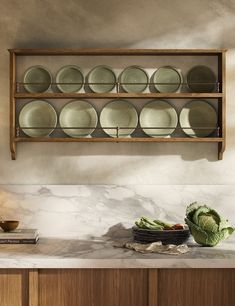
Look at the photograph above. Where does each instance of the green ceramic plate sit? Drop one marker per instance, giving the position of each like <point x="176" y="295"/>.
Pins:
<point x="119" y="113"/>
<point x="134" y="79"/>
<point x="167" y="79"/>
<point x="39" y="77"/>
<point x="198" y="113"/>
<point x="78" y="113"/>
<point x="104" y="77"/>
<point x="69" y="74"/>
<point x="38" y="113"/>
<point x="158" y="113"/>
<point x="201" y="79"/>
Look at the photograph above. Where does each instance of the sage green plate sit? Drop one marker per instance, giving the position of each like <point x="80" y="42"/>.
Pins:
<point x="105" y="78"/>
<point x="78" y="113"/>
<point x="119" y="113"/>
<point x="134" y="79"/>
<point x="38" y="113"/>
<point x="39" y="77"/>
<point x="201" y="79"/>
<point x="198" y="113"/>
<point x="167" y="79"/>
<point x="69" y="74"/>
<point x="158" y="113"/>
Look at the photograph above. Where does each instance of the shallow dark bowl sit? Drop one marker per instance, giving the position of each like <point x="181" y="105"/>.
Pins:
<point x="9" y="225"/>
<point x="166" y="236"/>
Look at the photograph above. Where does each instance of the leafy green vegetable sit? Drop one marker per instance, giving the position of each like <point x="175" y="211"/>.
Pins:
<point x="206" y="225"/>
<point x="164" y="224"/>
<point x="147" y="223"/>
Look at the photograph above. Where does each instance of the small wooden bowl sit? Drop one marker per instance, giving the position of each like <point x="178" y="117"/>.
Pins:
<point x="9" y="225"/>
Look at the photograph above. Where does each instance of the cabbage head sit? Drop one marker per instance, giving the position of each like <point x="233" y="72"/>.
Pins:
<point x="207" y="227"/>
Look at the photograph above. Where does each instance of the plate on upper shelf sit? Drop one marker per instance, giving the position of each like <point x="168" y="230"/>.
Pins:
<point x="78" y="113"/>
<point x="37" y="79"/>
<point x="201" y="79"/>
<point x="38" y="113"/>
<point x="158" y="114"/>
<point x="134" y="79"/>
<point x="198" y="114"/>
<point x="119" y="113"/>
<point x="167" y="79"/>
<point x="101" y="79"/>
<point x="69" y="74"/>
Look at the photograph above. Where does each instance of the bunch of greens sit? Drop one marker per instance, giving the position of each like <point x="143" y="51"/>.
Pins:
<point x="206" y="225"/>
<point x="148" y="223"/>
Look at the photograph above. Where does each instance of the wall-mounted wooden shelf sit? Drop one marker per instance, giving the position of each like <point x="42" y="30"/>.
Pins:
<point x="18" y="96"/>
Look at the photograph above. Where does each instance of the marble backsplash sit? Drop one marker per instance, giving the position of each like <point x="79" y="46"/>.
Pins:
<point x="87" y="211"/>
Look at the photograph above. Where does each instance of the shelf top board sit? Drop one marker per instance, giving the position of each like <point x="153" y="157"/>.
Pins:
<point x="60" y="51"/>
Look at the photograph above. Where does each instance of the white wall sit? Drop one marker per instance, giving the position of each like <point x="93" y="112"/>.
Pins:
<point x="126" y="24"/>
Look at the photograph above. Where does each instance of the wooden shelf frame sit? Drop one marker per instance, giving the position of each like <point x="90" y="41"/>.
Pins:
<point x="219" y="96"/>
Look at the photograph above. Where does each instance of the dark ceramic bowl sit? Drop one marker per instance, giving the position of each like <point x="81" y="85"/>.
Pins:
<point x="9" y="225"/>
<point x="166" y="236"/>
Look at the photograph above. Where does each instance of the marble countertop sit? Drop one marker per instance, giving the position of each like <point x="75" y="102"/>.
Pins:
<point x="100" y="253"/>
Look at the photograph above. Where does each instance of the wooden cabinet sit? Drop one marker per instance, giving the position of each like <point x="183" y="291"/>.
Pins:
<point x="194" y="287"/>
<point x="117" y="287"/>
<point x="151" y="59"/>
<point x="93" y="287"/>
<point x="13" y="287"/>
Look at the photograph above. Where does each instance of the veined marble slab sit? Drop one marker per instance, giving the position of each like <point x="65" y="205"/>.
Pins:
<point x="87" y="211"/>
<point x="100" y="253"/>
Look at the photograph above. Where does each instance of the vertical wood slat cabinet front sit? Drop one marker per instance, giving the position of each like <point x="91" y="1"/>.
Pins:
<point x="93" y="287"/>
<point x="194" y="287"/>
<point x="13" y="287"/>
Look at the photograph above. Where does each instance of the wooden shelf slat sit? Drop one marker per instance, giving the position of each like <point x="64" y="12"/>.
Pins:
<point x="127" y="139"/>
<point x="60" y="95"/>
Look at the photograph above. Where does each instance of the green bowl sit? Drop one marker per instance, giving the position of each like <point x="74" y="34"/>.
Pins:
<point x="101" y="79"/>
<point x="167" y="79"/>
<point x="69" y="74"/>
<point x="201" y="79"/>
<point x="37" y="79"/>
<point x="134" y="79"/>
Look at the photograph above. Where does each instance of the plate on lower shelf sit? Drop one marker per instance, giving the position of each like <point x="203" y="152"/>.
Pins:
<point x="38" y="113"/>
<point x="37" y="79"/>
<point x="78" y="113"/>
<point x="201" y="79"/>
<point x="167" y="79"/>
<point x="158" y="114"/>
<point x="69" y="74"/>
<point x="134" y="79"/>
<point x="105" y="78"/>
<point x="119" y="113"/>
<point x="198" y="114"/>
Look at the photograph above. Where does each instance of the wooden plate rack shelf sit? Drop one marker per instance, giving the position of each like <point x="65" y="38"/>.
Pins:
<point x="17" y="94"/>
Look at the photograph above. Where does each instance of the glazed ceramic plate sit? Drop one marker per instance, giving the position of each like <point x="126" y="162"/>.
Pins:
<point x="201" y="79"/>
<point x="37" y="79"/>
<point x="101" y="79"/>
<point x="78" y="113"/>
<point x="119" y="113"/>
<point x="167" y="79"/>
<point x="196" y="114"/>
<point x="158" y="114"/>
<point x="69" y="74"/>
<point x="134" y="79"/>
<point x="38" y="113"/>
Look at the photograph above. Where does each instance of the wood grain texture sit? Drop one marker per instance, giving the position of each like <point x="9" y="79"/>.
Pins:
<point x="195" y="287"/>
<point x="13" y="287"/>
<point x="12" y="104"/>
<point x="116" y="51"/>
<point x="60" y="95"/>
<point x="33" y="287"/>
<point x="93" y="287"/>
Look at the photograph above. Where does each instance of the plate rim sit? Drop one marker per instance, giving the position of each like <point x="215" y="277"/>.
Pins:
<point x="78" y="100"/>
<point x="101" y="66"/>
<point x="159" y="100"/>
<point x="28" y="70"/>
<point x="63" y="68"/>
<point x="51" y="107"/>
<point x="133" y="66"/>
<point x="207" y="103"/>
<point x="115" y="101"/>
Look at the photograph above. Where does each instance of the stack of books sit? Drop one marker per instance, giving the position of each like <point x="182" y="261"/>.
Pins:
<point x="19" y="236"/>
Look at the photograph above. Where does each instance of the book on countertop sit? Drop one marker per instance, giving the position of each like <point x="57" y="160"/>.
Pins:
<point x="19" y="236"/>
